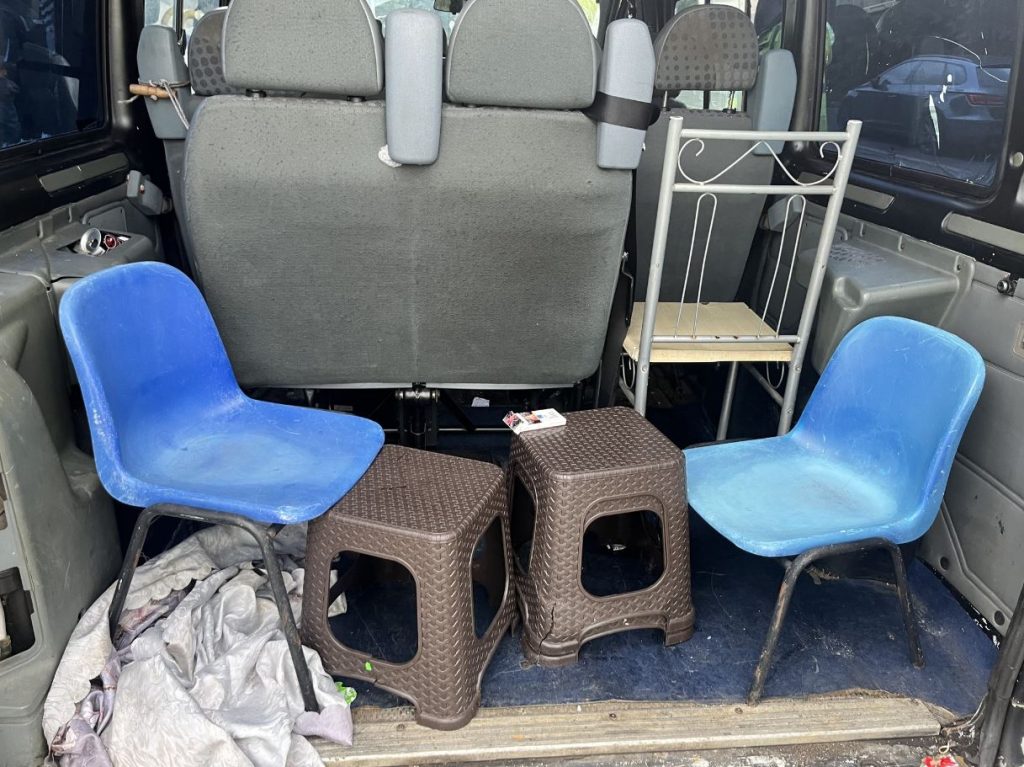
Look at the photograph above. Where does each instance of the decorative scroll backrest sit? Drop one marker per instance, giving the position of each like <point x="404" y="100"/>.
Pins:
<point x="683" y="144"/>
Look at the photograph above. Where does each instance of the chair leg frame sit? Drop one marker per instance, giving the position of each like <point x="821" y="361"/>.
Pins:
<point x="263" y="535"/>
<point x="793" y="571"/>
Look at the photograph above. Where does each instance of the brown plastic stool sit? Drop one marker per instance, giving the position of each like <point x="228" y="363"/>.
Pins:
<point x="428" y="512"/>
<point x="602" y="462"/>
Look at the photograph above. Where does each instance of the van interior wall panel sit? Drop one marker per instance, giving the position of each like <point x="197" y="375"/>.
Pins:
<point x="975" y="543"/>
<point x="324" y="266"/>
<point x="872" y="271"/>
<point x="57" y="527"/>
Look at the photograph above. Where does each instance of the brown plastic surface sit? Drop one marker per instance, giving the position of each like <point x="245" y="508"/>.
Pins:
<point x="426" y="511"/>
<point x="608" y="461"/>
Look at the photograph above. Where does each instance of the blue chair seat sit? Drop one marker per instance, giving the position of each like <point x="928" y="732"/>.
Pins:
<point x="270" y="463"/>
<point x="777" y="497"/>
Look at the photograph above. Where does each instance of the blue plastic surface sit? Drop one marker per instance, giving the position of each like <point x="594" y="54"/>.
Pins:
<point x="869" y="457"/>
<point x="169" y="422"/>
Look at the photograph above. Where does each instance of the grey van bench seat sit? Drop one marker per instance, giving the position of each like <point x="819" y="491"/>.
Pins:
<point x="327" y="266"/>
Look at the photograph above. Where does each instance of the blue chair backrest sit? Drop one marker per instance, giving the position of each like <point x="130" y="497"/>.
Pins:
<point x="142" y="342"/>
<point x="893" y="402"/>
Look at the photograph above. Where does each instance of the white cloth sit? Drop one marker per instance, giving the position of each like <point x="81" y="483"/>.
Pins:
<point x="212" y="682"/>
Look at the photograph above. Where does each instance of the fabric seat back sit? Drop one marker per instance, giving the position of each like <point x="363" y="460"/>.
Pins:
<point x="327" y="263"/>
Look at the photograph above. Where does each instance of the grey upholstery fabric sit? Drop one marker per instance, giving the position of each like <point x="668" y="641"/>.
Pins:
<point x="327" y="47"/>
<point x="414" y="59"/>
<point x="770" y="103"/>
<point x="522" y="53"/>
<point x="159" y="59"/>
<point x="735" y="221"/>
<point x="324" y="266"/>
<point x="205" y="60"/>
<point x="627" y="71"/>
<point x="707" y="48"/>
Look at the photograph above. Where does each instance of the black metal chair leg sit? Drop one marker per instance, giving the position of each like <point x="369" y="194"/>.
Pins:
<point x="793" y="572"/>
<point x="903" y="593"/>
<point x="287" y="618"/>
<point x="263" y="535"/>
<point x="131" y="561"/>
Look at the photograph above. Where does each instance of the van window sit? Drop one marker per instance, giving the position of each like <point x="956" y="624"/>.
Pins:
<point x="50" y="73"/>
<point x="381" y="8"/>
<point x="162" y="12"/>
<point x="929" y="79"/>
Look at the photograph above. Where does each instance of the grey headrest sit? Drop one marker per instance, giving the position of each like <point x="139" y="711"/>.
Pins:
<point x="707" y="48"/>
<point x="627" y="78"/>
<point x="159" y="57"/>
<point x="205" y="62"/>
<point x="414" y="58"/>
<point x="770" y="103"/>
<point x="326" y="47"/>
<point x="522" y="53"/>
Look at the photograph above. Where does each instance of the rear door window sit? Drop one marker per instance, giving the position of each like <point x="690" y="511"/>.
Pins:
<point x="929" y="80"/>
<point x="447" y="9"/>
<point x="50" y="70"/>
<point x="161" y="12"/>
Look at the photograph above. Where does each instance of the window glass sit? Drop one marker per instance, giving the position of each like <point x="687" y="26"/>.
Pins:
<point x="381" y="8"/>
<point x="162" y="12"/>
<point x="49" y="69"/>
<point x="927" y="78"/>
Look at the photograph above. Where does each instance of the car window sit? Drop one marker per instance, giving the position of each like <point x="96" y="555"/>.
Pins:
<point x="929" y="81"/>
<point x="929" y="73"/>
<point x="957" y="75"/>
<point x="902" y="74"/>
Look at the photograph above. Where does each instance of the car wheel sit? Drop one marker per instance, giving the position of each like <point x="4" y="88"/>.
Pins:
<point x="925" y="140"/>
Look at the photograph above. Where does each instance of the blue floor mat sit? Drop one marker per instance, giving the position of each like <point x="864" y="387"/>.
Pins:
<point x="839" y="635"/>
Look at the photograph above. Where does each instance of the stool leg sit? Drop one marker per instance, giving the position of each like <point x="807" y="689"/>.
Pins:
<point x="284" y="609"/>
<point x="131" y="561"/>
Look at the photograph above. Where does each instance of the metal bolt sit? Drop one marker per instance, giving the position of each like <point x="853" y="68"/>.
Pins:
<point x="1016" y="159"/>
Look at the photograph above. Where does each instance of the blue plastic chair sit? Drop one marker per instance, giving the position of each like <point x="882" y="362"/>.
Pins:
<point x="864" y="468"/>
<point x="172" y="431"/>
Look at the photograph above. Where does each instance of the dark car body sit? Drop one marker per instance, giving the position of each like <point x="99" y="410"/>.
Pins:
<point x="938" y="104"/>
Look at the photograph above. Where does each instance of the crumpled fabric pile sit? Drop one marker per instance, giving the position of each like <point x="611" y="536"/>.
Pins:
<point x="200" y="674"/>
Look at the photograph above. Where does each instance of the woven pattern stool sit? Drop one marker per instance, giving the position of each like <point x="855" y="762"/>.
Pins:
<point x="602" y="462"/>
<point x="428" y="512"/>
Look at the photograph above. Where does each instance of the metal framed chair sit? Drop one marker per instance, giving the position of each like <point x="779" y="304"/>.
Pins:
<point x="697" y="331"/>
<point x="172" y="431"/>
<point x="864" y="468"/>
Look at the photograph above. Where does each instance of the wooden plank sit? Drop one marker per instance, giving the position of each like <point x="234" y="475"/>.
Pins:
<point x="387" y="737"/>
<point x="714" y="319"/>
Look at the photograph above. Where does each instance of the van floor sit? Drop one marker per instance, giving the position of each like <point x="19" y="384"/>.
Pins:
<point x="839" y="635"/>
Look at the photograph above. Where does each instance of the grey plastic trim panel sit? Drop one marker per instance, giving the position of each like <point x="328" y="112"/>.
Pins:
<point x="859" y="194"/>
<point x="79" y="174"/>
<point x="982" y="231"/>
